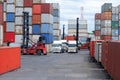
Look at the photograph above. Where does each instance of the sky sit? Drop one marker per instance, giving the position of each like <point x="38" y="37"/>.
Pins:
<point x="71" y="9"/>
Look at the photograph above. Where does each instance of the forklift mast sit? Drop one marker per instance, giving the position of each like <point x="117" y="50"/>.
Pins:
<point x="26" y="29"/>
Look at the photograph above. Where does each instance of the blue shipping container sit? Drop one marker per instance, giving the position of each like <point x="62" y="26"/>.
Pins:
<point x="10" y="17"/>
<point x="36" y="29"/>
<point x="118" y="30"/>
<point x="46" y="28"/>
<point x="48" y="38"/>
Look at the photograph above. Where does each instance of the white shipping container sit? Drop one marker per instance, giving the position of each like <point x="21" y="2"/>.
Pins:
<point x="10" y="27"/>
<point x="19" y="29"/>
<point x="115" y="17"/>
<point x="71" y="21"/>
<point x="106" y="31"/>
<point x="5" y="6"/>
<point x="35" y="38"/>
<point x="19" y="20"/>
<point x="97" y="21"/>
<point x="1" y="35"/>
<point x="56" y="26"/>
<point x="80" y="30"/>
<point x="19" y="3"/>
<point x="114" y="10"/>
<point x="30" y="29"/>
<point x="28" y="9"/>
<point x="56" y="32"/>
<point x="80" y="34"/>
<point x="55" y="5"/>
<point x="39" y="1"/>
<point x="10" y="1"/>
<point x="98" y="51"/>
<point x="48" y="46"/>
<point x="18" y="38"/>
<point x="15" y="44"/>
<point x="47" y="18"/>
<point x="114" y="32"/>
<point x="115" y="38"/>
<point x="30" y="20"/>
<point x="106" y="23"/>
<point x="19" y="12"/>
<point x="4" y="19"/>
<point x="11" y="8"/>
<point x="56" y="19"/>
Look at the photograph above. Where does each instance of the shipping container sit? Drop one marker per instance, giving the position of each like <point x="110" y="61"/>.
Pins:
<point x="97" y="21"/>
<point x="106" y="23"/>
<point x="38" y="1"/>
<point x="81" y="26"/>
<point x="56" y="19"/>
<point x="5" y="6"/>
<point x="4" y="26"/>
<point x="97" y="32"/>
<point x="36" y="19"/>
<point x="72" y="21"/>
<point x="36" y="9"/>
<point x="4" y="19"/>
<point x="106" y="31"/>
<point x="46" y="8"/>
<point x="30" y="20"/>
<point x="10" y="1"/>
<point x="1" y="13"/>
<point x="56" y="25"/>
<point x="19" y="29"/>
<point x="108" y="37"/>
<point x="10" y="27"/>
<point x="1" y="35"/>
<point x="28" y="3"/>
<point x="106" y="16"/>
<point x="56" y="32"/>
<point x="48" y="46"/>
<point x="19" y="39"/>
<point x="48" y="37"/>
<point x="115" y="17"/>
<point x="11" y="8"/>
<point x="35" y="38"/>
<point x="19" y="11"/>
<point x="47" y="18"/>
<point x="10" y="17"/>
<point x="46" y="28"/>
<point x="18" y="20"/>
<point x="30" y="29"/>
<point x="28" y="9"/>
<point x="97" y="38"/>
<point x="97" y="27"/>
<point x="114" y="10"/>
<point x="56" y="38"/>
<point x="56" y="12"/>
<point x="115" y="24"/>
<point x="98" y="51"/>
<point x="80" y="30"/>
<point x="114" y="32"/>
<point x="55" y="6"/>
<point x="69" y="38"/>
<point x="36" y="29"/>
<point x="115" y="38"/>
<point x="107" y="7"/>
<point x="98" y="16"/>
<point x="119" y="31"/>
<point x="19" y="3"/>
<point x="9" y="37"/>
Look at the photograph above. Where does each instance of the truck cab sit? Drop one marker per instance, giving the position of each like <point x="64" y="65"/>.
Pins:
<point x="57" y="47"/>
<point x="72" y="47"/>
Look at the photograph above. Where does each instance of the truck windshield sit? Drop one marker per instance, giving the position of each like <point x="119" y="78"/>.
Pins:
<point x="71" y="45"/>
<point x="56" y="45"/>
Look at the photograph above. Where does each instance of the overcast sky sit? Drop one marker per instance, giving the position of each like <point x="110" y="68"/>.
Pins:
<point x="70" y="9"/>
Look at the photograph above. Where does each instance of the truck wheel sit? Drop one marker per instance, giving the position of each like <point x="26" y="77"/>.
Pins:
<point x="39" y="52"/>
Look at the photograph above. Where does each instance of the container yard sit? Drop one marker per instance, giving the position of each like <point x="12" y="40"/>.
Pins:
<point x="46" y="40"/>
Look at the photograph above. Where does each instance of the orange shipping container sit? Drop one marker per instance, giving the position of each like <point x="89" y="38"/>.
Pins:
<point x="106" y="16"/>
<point x="9" y="59"/>
<point x="36" y="9"/>
<point x="69" y="38"/>
<point x="36" y="19"/>
<point x="98" y="16"/>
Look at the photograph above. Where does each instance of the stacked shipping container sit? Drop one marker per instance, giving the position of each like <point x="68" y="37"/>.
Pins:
<point x="106" y="18"/>
<point x="56" y="20"/>
<point x="1" y="23"/>
<point x="97" y="26"/>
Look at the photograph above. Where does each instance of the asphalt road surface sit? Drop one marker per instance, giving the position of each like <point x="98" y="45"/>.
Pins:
<point x="57" y="67"/>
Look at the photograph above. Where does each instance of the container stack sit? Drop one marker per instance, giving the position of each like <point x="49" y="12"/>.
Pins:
<point x="97" y="26"/>
<point x="106" y="18"/>
<point x="10" y="21"/>
<point x="115" y="23"/>
<point x="82" y="28"/>
<point x="1" y="23"/>
<point x="119" y="21"/>
<point x="56" y="20"/>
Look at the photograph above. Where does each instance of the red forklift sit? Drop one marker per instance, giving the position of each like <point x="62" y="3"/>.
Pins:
<point x="35" y="48"/>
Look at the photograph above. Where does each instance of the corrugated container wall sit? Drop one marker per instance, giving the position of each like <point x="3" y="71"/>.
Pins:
<point x="1" y="35"/>
<point x="1" y="13"/>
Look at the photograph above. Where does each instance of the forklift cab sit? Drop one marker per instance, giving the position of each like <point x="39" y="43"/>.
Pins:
<point x="41" y="39"/>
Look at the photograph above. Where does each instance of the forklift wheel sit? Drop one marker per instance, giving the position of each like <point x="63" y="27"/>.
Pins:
<point x="39" y="52"/>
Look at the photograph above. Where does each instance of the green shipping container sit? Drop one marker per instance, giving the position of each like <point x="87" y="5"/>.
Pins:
<point x="115" y="24"/>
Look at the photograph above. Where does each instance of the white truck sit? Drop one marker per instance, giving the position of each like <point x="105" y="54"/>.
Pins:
<point x="57" y="47"/>
<point x="72" y="47"/>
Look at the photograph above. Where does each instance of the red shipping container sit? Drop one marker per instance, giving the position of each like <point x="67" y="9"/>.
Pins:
<point x="9" y="37"/>
<point x="4" y="26"/>
<point x="97" y="32"/>
<point x="28" y="3"/>
<point x="106" y="37"/>
<point x="69" y="38"/>
<point x="36" y="19"/>
<point x="98" y="16"/>
<point x="106" y="16"/>
<point x="36" y="9"/>
<point x="1" y="13"/>
<point x="46" y="8"/>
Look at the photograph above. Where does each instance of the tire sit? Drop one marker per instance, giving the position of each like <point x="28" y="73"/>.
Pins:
<point x="39" y="52"/>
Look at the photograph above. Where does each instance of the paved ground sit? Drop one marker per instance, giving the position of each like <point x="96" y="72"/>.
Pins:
<point x="57" y="67"/>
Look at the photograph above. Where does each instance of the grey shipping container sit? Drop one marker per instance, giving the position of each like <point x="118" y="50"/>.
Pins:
<point x="106" y="7"/>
